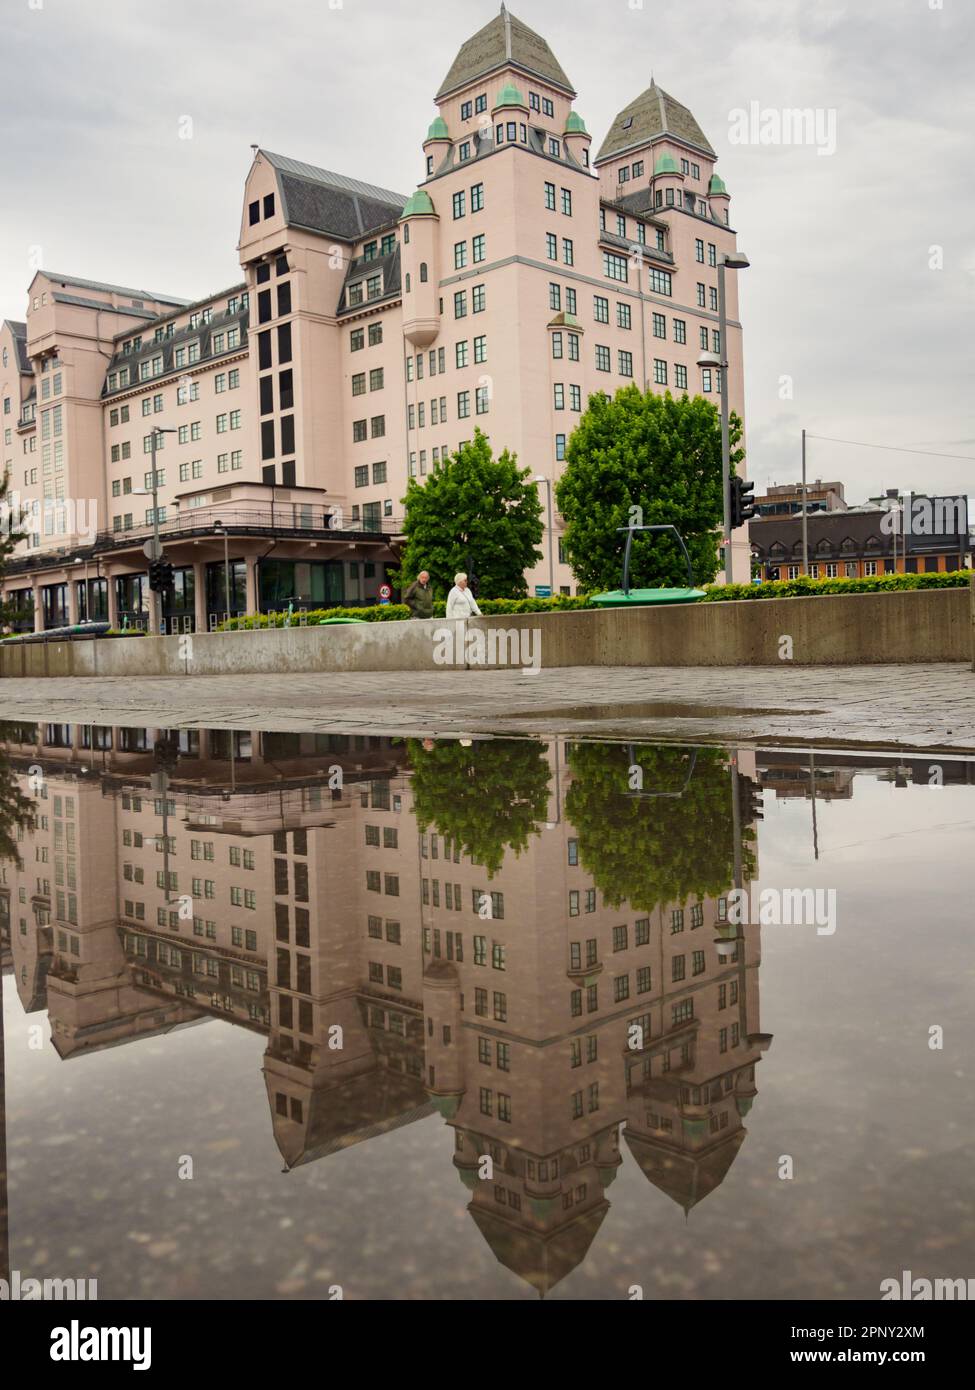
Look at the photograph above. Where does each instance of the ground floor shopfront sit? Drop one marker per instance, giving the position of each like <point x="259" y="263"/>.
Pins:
<point x="212" y="580"/>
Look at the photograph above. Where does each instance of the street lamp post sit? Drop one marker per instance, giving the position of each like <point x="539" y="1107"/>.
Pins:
<point x="220" y="530"/>
<point x="157" y="619"/>
<point x="540" y="478"/>
<point x="734" y="260"/>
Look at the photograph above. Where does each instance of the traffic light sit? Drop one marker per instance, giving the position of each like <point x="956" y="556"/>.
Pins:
<point x="743" y="507"/>
<point x="165" y="752"/>
<point x="160" y="575"/>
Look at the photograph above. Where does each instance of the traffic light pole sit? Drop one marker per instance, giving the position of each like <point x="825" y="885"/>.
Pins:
<point x="725" y="429"/>
<point x="156" y="595"/>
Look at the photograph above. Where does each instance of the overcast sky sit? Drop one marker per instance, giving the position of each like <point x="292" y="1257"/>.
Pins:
<point x="841" y="296"/>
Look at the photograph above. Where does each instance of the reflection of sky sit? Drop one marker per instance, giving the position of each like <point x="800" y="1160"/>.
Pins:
<point x="879" y="1126"/>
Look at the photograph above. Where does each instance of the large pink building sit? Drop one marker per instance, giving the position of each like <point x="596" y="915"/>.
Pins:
<point x="370" y="334"/>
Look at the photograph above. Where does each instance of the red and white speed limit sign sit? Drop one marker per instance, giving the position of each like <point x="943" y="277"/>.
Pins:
<point x="385" y="591"/>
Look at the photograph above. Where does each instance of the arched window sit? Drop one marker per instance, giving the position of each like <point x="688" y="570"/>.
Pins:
<point x="407" y="282"/>
<point x="423" y="272"/>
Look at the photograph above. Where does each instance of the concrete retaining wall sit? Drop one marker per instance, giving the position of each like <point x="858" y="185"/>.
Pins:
<point x="919" y="625"/>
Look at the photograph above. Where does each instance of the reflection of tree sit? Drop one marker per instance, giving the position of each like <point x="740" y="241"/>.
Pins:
<point x="486" y="798"/>
<point x="647" y="850"/>
<point x="16" y="809"/>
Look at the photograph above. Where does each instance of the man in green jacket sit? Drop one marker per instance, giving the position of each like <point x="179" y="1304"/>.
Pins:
<point x="419" y="597"/>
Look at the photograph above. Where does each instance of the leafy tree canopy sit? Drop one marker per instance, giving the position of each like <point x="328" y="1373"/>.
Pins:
<point x="475" y="513"/>
<point x="645" y="849"/>
<point x="487" y="798"/>
<point x="660" y="455"/>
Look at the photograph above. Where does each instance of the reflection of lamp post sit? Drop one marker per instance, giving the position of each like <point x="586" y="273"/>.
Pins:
<point x="540" y="478"/>
<point x="734" y="260"/>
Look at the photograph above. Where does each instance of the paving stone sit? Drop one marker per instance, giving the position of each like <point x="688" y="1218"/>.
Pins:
<point x="922" y="706"/>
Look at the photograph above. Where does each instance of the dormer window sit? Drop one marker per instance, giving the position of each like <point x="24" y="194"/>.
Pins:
<point x="554" y="148"/>
<point x="465" y="151"/>
<point x="628" y="122"/>
<point x="356" y="293"/>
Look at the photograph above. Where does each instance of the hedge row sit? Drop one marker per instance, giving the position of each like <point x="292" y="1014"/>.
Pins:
<point x="396" y="612"/>
<point x="714" y="593"/>
<point x="804" y="587"/>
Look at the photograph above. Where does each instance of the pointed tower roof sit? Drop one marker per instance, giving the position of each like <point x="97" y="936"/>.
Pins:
<point x="653" y="113"/>
<point x="505" y="41"/>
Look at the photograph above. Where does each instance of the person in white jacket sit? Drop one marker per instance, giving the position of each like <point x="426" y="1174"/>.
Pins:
<point x="461" y="603"/>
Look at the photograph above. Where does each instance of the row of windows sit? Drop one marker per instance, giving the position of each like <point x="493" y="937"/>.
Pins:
<point x="478" y="251"/>
<point x="565" y="200"/>
<point x="641" y="230"/>
<point x="384" y="247"/>
<point x="376" y="379"/>
<point x="476" y="200"/>
<point x="362" y="480"/>
<point x="357" y="338"/>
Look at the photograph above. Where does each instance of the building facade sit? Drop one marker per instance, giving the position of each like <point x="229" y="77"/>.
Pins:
<point x="370" y="334"/>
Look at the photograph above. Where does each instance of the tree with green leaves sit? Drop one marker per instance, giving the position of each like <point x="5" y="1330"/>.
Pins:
<point x="487" y="798"/>
<point x="655" y="824"/>
<point x="474" y="513"/>
<point x="653" y="459"/>
<point x="16" y="807"/>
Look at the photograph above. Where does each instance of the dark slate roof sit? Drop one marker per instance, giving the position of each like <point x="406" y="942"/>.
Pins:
<point x="483" y="144"/>
<point x="839" y="535"/>
<point x="334" y="204"/>
<point x="360" y="267"/>
<point x="125" y="310"/>
<point x="203" y="334"/>
<point x="19" y="332"/>
<point x="76" y="283"/>
<point x="640" y="203"/>
<point x="654" y="113"/>
<point x="504" y="42"/>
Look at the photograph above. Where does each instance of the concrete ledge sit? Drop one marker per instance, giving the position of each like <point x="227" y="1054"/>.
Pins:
<point x="916" y="626"/>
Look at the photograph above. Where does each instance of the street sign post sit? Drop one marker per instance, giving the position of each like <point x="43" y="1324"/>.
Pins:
<point x="152" y="549"/>
<point x="385" y="593"/>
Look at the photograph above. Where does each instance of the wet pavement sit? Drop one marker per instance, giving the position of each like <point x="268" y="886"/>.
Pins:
<point x="288" y="1013"/>
<point x="919" y="706"/>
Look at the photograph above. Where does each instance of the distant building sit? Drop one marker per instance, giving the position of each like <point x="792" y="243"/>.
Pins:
<point x="785" y="499"/>
<point x="930" y="535"/>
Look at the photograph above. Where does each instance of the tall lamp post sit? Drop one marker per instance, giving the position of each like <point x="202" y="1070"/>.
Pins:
<point x="730" y="260"/>
<point x="540" y="478"/>
<point x="157" y="543"/>
<point x="220" y="530"/>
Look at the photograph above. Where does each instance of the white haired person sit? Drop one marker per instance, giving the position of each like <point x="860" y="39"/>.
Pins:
<point x="461" y="603"/>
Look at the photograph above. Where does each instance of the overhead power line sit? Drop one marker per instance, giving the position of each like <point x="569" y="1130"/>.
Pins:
<point x="892" y="448"/>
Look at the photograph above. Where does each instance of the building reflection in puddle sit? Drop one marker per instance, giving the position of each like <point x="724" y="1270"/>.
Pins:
<point x="530" y="939"/>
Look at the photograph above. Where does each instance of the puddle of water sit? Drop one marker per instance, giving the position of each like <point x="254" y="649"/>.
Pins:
<point x="655" y="709"/>
<point x="426" y="1019"/>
